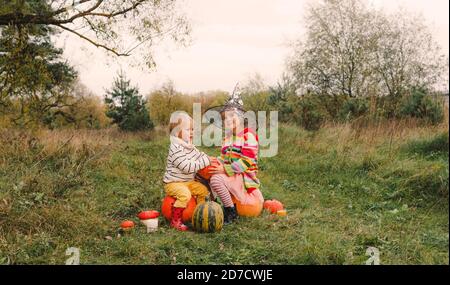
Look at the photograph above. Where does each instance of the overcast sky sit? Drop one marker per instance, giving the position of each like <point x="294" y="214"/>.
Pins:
<point x="231" y="41"/>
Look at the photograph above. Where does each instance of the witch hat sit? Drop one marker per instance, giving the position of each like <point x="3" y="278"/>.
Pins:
<point x="233" y="104"/>
<point x="235" y="101"/>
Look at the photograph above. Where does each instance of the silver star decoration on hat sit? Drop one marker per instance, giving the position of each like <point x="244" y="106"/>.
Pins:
<point x="235" y="101"/>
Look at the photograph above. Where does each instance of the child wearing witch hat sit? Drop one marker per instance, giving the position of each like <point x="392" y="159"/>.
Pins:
<point x="236" y="174"/>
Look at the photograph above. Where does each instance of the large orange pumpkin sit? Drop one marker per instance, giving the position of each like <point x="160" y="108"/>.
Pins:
<point x="167" y="205"/>
<point x="273" y="206"/>
<point x="204" y="173"/>
<point x="248" y="210"/>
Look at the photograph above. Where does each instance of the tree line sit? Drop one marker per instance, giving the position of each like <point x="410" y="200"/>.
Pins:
<point x="354" y="61"/>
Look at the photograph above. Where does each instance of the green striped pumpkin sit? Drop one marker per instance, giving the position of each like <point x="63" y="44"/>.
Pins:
<point x="207" y="218"/>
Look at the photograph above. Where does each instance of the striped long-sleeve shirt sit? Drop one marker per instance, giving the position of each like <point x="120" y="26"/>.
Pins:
<point x="240" y="156"/>
<point x="183" y="161"/>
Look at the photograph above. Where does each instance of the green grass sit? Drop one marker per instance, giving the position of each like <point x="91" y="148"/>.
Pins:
<point x="343" y="194"/>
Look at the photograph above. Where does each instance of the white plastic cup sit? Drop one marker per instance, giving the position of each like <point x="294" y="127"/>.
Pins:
<point x="151" y="224"/>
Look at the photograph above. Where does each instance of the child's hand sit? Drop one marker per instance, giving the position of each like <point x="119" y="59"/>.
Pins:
<point x="217" y="168"/>
<point x="213" y="160"/>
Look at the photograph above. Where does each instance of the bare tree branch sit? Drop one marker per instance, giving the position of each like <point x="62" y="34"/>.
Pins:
<point x="21" y="19"/>
<point x="65" y="9"/>
<point x="111" y="15"/>
<point x="105" y="20"/>
<point x="79" y="15"/>
<point x="93" y="42"/>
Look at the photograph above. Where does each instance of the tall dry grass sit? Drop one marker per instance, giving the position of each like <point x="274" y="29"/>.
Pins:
<point x="372" y="134"/>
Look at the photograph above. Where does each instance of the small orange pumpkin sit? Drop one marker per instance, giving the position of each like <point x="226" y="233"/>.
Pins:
<point x="273" y="206"/>
<point x="127" y="225"/>
<point x="247" y="210"/>
<point x="205" y="172"/>
<point x="167" y="205"/>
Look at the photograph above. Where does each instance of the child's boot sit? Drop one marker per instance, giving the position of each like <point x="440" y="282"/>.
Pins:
<point x="177" y="223"/>
<point x="230" y="215"/>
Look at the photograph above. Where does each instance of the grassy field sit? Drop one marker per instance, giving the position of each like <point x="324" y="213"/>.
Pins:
<point x="345" y="187"/>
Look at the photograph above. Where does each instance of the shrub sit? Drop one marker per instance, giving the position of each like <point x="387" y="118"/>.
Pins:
<point x="387" y="107"/>
<point x="283" y="98"/>
<point x="333" y="104"/>
<point x="258" y="101"/>
<point x="311" y="112"/>
<point x="87" y="112"/>
<point x="420" y="105"/>
<point x="354" y="108"/>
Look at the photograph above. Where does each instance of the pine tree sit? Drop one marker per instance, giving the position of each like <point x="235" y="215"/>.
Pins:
<point x="126" y="107"/>
<point x="35" y="79"/>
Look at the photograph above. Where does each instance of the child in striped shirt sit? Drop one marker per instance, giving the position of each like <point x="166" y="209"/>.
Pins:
<point x="183" y="161"/>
